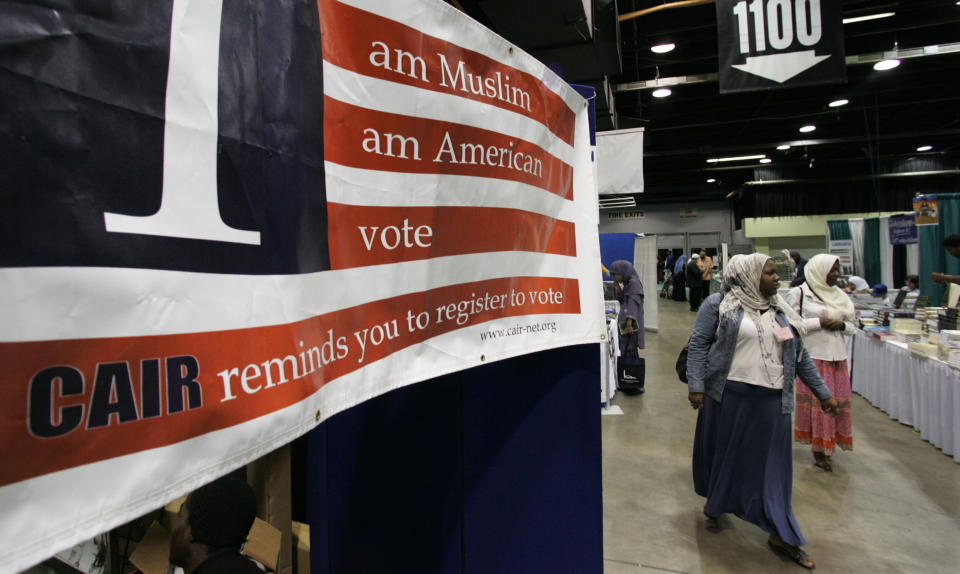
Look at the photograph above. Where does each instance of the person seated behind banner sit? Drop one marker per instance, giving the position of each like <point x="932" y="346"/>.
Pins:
<point x="856" y="284"/>
<point x="211" y="529"/>
<point x="911" y="284"/>
<point x="879" y="290"/>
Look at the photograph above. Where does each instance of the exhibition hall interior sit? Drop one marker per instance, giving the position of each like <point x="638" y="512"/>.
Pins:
<point x="330" y="286"/>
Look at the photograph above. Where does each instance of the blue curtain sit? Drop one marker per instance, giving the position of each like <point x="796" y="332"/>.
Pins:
<point x="871" y="251"/>
<point x="839" y="229"/>
<point x="933" y="256"/>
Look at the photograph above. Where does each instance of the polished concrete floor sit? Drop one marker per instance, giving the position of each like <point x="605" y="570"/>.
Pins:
<point x="891" y="505"/>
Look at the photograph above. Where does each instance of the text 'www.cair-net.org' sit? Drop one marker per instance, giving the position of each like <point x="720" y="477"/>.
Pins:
<point x="516" y="330"/>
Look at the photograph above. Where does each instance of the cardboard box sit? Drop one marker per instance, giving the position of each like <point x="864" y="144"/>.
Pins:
<point x="153" y="553"/>
<point x="301" y="547"/>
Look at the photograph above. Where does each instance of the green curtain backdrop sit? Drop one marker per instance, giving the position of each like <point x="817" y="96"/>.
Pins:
<point x="871" y="251"/>
<point x="933" y="257"/>
<point x="839" y="229"/>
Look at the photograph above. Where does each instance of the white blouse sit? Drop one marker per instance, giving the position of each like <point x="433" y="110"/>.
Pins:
<point x="822" y="344"/>
<point x="758" y="360"/>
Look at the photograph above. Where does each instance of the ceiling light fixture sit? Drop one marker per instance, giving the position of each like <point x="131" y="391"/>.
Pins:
<point x="711" y="180"/>
<point x="925" y="148"/>
<point x="662" y="48"/>
<point x="783" y="147"/>
<point x="838" y="103"/>
<point x="661" y="93"/>
<point x="807" y="129"/>
<point x="883" y="65"/>
<point x="766" y="160"/>
<point x="738" y="158"/>
<point x="868" y="17"/>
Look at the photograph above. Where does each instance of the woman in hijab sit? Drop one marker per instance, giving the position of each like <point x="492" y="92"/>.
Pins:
<point x="679" y="279"/>
<point x="630" y="294"/>
<point x="828" y="315"/>
<point x="745" y="352"/>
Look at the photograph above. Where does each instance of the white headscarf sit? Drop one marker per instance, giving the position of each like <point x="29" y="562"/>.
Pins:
<point x="742" y="277"/>
<point x="816" y="274"/>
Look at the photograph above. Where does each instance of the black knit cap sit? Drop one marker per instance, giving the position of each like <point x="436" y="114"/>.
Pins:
<point x="222" y="512"/>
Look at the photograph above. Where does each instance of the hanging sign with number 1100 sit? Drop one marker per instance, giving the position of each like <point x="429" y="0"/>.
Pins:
<point x="777" y="41"/>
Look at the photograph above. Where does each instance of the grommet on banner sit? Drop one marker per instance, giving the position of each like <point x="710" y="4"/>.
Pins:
<point x="317" y="417"/>
<point x="510" y="49"/>
<point x="483" y="357"/>
<point x="603" y="336"/>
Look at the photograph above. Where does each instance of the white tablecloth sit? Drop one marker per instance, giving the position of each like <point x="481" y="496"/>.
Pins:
<point x="921" y="392"/>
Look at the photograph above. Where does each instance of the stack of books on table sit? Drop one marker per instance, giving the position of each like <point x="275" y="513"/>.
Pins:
<point x="948" y="318"/>
<point x="906" y="330"/>
<point x="949" y="347"/>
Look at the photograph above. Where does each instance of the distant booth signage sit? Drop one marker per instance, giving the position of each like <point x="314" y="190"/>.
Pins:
<point x="925" y="210"/>
<point x="903" y="229"/>
<point x="767" y="44"/>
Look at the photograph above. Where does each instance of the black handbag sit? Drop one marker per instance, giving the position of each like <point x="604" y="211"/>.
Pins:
<point x="682" y="363"/>
<point x="631" y="372"/>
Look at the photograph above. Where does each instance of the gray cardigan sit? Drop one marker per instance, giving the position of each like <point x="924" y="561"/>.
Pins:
<point x="711" y="353"/>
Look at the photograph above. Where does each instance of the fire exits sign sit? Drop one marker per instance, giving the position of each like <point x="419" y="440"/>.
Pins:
<point x="767" y="44"/>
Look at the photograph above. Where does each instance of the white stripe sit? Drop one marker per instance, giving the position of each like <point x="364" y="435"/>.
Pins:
<point x="353" y="186"/>
<point x="440" y="20"/>
<point x="386" y="96"/>
<point x="49" y="303"/>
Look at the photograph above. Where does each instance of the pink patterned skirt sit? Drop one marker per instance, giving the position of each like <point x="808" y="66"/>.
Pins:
<point x="811" y="425"/>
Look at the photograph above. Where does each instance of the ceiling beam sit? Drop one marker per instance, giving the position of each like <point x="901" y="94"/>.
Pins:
<point x="852" y="60"/>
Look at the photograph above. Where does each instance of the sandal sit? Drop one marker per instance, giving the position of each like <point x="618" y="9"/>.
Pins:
<point x="794" y="553"/>
<point x="822" y="461"/>
<point x="713" y="522"/>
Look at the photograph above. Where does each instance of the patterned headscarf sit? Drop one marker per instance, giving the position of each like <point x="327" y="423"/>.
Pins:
<point x="742" y="277"/>
<point x="816" y="274"/>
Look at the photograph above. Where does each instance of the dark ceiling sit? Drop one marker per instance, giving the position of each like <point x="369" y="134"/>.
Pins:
<point x="873" y="137"/>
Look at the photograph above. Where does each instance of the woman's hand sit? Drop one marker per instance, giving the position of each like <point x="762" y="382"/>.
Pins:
<point x="938" y="277"/>
<point x="831" y="324"/>
<point x="830" y="406"/>
<point x="696" y="400"/>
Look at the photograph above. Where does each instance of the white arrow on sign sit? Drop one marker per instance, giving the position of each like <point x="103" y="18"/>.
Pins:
<point x="781" y="67"/>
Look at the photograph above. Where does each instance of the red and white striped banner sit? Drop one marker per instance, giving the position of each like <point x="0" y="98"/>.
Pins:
<point x="238" y="239"/>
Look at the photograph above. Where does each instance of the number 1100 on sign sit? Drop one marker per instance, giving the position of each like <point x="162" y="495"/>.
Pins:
<point x="773" y="23"/>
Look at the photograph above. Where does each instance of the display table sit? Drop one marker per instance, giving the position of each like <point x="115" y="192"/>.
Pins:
<point x="917" y="391"/>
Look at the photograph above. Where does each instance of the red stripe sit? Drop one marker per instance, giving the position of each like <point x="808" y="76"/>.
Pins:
<point x="367" y="139"/>
<point x="349" y="35"/>
<point x="25" y="455"/>
<point x="411" y="233"/>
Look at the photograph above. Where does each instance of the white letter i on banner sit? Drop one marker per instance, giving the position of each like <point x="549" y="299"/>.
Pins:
<point x="189" y="207"/>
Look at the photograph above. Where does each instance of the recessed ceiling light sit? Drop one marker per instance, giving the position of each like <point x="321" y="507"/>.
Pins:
<point x="807" y="129"/>
<point x="925" y="148"/>
<point x="838" y="103"/>
<point x="662" y="48"/>
<point x="783" y="147"/>
<point x="661" y="93"/>
<point x="737" y="158"/>
<point x="886" y="64"/>
<point x="766" y="160"/>
<point x="711" y="180"/>
<point x="869" y="17"/>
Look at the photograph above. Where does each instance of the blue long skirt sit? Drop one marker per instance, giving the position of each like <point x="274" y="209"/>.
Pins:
<point x="742" y="459"/>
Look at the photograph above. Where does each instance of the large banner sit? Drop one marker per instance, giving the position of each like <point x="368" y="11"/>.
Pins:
<point x="224" y="222"/>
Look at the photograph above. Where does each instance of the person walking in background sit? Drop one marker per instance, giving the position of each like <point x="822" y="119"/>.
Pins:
<point x="744" y="354"/>
<point x="679" y="278"/>
<point x="694" y="278"/>
<point x="668" y="265"/>
<point x="631" y="369"/>
<point x="706" y="263"/>
<point x="629" y="290"/>
<point x="828" y="315"/>
<point x="798" y="271"/>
